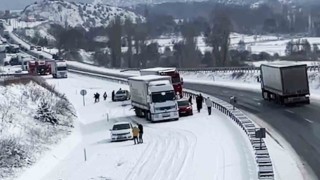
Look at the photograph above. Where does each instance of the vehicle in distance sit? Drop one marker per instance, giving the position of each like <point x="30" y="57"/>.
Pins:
<point x="39" y="48"/>
<point x="121" y="131"/>
<point x="285" y="83"/>
<point x="176" y="80"/>
<point x="185" y="107"/>
<point x="122" y="95"/>
<point x="153" y="97"/>
<point x="32" y="47"/>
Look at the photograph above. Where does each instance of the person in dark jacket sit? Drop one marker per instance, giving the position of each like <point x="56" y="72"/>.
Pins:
<point x="112" y="96"/>
<point x="190" y="99"/>
<point x="199" y="103"/>
<point x="105" y="96"/>
<point x="98" y="97"/>
<point x="201" y="99"/>
<point x="95" y="97"/>
<point x="140" y="133"/>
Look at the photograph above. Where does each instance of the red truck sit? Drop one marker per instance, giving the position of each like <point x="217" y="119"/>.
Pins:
<point x="40" y="67"/>
<point x="177" y="81"/>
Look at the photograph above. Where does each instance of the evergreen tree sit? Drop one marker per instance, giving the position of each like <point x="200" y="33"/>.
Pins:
<point x="45" y="113"/>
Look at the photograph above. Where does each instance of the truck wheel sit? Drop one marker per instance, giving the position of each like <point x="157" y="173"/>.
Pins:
<point x="148" y="116"/>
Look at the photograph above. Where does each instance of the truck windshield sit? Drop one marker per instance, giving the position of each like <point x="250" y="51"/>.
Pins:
<point x="61" y="68"/>
<point x="163" y="96"/>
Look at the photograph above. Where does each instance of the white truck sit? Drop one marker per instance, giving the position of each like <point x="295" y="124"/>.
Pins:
<point x="59" y="69"/>
<point x="285" y="83"/>
<point x="153" y="97"/>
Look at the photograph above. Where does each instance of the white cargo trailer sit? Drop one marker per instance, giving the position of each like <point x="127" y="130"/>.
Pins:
<point x="153" y="97"/>
<point x="285" y="83"/>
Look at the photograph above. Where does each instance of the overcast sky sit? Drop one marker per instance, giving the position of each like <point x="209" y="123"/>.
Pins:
<point x="20" y="4"/>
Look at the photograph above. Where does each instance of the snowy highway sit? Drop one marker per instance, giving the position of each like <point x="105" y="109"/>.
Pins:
<point x="299" y="125"/>
<point x="195" y="147"/>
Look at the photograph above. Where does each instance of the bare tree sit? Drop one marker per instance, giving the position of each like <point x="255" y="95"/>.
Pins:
<point x="218" y="37"/>
<point x="189" y="34"/>
<point x="115" y="33"/>
<point x="129" y="31"/>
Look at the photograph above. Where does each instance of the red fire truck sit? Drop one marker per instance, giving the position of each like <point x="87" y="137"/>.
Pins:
<point x="177" y="81"/>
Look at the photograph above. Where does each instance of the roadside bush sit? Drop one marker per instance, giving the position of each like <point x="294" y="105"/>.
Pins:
<point x="237" y="75"/>
<point x="13" y="155"/>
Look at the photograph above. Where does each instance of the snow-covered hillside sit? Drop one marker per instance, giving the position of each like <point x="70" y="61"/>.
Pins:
<point x="76" y="14"/>
<point x="24" y="132"/>
<point x="150" y="2"/>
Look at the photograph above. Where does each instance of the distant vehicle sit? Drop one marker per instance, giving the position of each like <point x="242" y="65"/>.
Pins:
<point x="153" y="97"/>
<point x="6" y="34"/>
<point x="176" y="80"/>
<point x="42" y="67"/>
<point x="12" y="49"/>
<point x="32" y="47"/>
<point x="285" y="84"/>
<point x="121" y="131"/>
<point x="39" y="48"/>
<point x="59" y="69"/>
<point x="185" y="107"/>
<point x="57" y="57"/>
<point x="122" y="95"/>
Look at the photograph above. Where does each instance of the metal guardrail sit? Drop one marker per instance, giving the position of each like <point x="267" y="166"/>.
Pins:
<point x="263" y="160"/>
<point x="4" y="75"/>
<point x="224" y="69"/>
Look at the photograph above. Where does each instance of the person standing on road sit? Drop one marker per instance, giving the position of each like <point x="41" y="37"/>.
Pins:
<point x="95" y="97"/>
<point x="140" y="133"/>
<point x="98" y="97"/>
<point x="199" y="103"/>
<point x="105" y="96"/>
<point x="112" y="96"/>
<point x="209" y="105"/>
<point x="135" y="133"/>
<point x="201" y="100"/>
<point x="190" y="99"/>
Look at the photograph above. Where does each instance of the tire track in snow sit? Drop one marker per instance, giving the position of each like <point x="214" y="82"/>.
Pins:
<point x="174" y="149"/>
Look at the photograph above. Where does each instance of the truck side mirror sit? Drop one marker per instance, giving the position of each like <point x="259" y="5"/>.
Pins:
<point x="181" y="80"/>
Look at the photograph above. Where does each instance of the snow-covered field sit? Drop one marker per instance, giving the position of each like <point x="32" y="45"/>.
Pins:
<point x="197" y="147"/>
<point x="23" y="138"/>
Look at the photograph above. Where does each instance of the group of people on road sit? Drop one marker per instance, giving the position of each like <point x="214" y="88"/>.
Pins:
<point x="137" y="133"/>
<point x="199" y="102"/>
<point x="96" y="97"/>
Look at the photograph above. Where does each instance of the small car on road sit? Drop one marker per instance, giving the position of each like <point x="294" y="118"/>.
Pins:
<point x="122" y="95"/>
<point x="185" y="107"/>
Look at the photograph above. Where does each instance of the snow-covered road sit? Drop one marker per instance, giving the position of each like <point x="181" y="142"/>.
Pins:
<point x="195" y="147"/>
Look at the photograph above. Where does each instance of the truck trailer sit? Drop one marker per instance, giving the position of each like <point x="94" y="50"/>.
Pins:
<point x="176" y="80"/>
<point x="59" y="69"/>
<point x="285" y="83"/>
<point x="153" y="97"/>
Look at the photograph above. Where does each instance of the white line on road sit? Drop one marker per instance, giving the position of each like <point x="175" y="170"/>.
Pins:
<point x="256" y="99"/>
<point x="308" y="120"/>
<point x="289" y="111"/>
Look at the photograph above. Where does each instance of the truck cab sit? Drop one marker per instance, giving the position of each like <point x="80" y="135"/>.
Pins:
<point x="163" y="104"/>
<point x="153" y="97"/>
<point x="59" y="69"/>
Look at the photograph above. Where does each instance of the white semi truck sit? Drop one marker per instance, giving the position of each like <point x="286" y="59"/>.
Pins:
<point x="153" y="97"/>
<point x="59" y="69"/>
<point x="285" y="83"/>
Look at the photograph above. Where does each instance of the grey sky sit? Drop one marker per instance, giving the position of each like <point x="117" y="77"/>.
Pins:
<point x="20" y="4"/>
